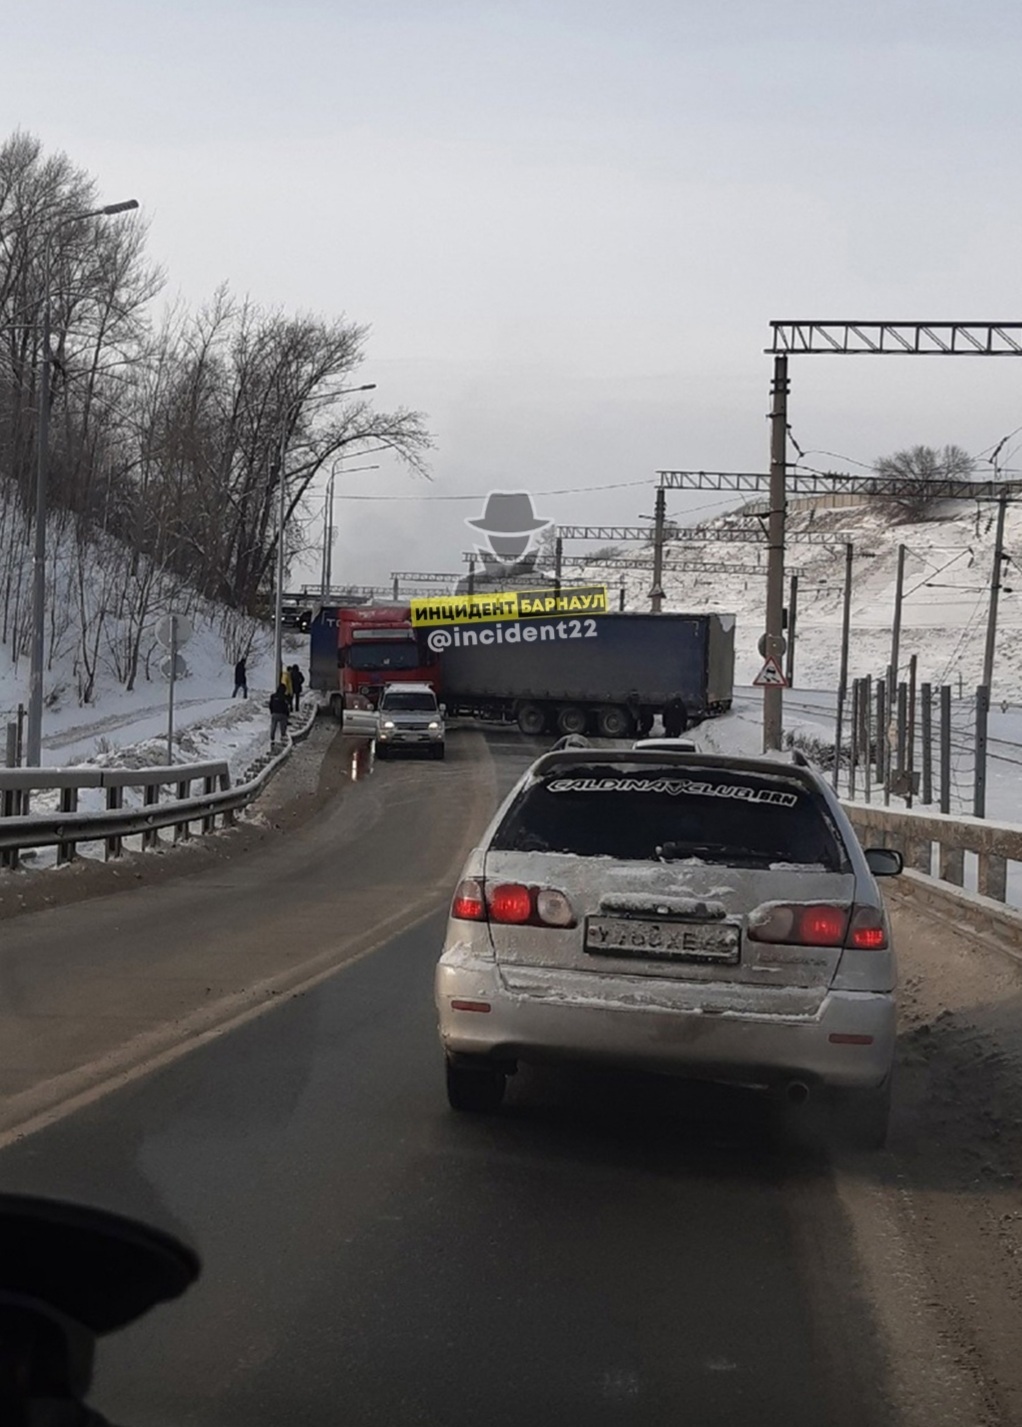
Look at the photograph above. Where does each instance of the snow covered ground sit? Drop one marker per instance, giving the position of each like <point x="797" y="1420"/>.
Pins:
<point x="947" y="577"/>
<point x="129" y="729"/>
<point x="122" y="727"/>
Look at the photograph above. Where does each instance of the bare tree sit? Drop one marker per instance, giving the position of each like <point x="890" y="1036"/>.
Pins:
<point x="170" y="446"/>
<point x="915" y="468"/>
<point x="243" y="385"/>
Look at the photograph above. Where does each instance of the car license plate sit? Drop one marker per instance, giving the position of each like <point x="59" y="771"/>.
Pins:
<point x="665" y="941"/>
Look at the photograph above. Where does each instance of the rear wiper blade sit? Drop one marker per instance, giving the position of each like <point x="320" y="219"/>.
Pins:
<point x="714" y="851"/>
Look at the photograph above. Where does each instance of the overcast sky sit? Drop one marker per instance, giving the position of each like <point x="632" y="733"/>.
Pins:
<point x="568" y="223"/>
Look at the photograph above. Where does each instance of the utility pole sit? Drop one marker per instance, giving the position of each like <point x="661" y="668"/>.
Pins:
<point x="558" y="561"/>
<point x="995" y="587"/>
<point x="773" y="705"/>
<point x="842" y="678"/>
<point x="899" y="593"/>
<point x="656" y="594"/>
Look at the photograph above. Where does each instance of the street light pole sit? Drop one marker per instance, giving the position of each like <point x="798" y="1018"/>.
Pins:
<point x="278" y="603"/>
<point x="34" y="731"/>
<point x="328" y="538"/>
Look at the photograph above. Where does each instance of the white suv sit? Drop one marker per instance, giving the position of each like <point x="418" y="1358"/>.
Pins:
<point x="410" y="717"/>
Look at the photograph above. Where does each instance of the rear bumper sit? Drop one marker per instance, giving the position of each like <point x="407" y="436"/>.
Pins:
<point x="742" y="1048"/>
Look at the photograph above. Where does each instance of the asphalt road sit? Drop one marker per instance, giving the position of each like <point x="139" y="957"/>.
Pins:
<point x="604" y="1251"/>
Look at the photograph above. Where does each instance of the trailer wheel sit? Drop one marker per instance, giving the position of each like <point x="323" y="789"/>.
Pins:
<point x="572" y="719"/>
<point x="337" y="708"/>
<point x="613" y="721"/>
<point x="532" y="719"/>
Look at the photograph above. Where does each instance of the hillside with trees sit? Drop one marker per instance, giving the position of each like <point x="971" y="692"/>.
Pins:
<point x="170" y="430"/>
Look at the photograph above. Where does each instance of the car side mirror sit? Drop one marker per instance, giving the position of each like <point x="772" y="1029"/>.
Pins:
<point x="884" y="861"/>
<point x="443" y="709"/>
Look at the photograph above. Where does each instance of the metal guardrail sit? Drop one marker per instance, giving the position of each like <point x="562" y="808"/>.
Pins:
<point x="67" y="826"/>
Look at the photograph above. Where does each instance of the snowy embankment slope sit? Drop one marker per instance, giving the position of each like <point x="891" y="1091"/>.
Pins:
<point x="947" y="579"/>
<point x="121" y="727"/>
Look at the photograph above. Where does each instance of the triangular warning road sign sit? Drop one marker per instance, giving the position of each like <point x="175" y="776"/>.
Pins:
<point x="771" y="676"/>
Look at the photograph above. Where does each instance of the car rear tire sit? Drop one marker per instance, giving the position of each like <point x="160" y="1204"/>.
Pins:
<point x="613" y="721"/>
<point x="572" y="719"/>
<point x="476" y="1090"/>
<point x="861" y="1117"/>
<point x="532" y="719"/>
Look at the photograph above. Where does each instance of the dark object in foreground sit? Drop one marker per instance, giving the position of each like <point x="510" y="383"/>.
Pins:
<point x="69" y="1274"/>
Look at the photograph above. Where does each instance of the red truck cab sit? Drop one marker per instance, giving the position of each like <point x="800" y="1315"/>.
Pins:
<point x="375" y="645"/>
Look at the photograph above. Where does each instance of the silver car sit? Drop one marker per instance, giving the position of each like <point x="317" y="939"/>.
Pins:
<point x="410" y="717"/>
<point x="707" y="916"/>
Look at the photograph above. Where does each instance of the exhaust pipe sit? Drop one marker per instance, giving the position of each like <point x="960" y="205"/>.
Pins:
<point x="797" y="1092"/>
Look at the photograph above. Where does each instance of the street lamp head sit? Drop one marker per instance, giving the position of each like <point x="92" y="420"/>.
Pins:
<point x="124" y="207"/>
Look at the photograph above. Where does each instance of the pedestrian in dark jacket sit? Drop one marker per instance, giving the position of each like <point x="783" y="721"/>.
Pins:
<point x="280" y="706"/>
<point x="675" y="717"/>
<point x="297" y="684"/>
<point x="240" y="680"/>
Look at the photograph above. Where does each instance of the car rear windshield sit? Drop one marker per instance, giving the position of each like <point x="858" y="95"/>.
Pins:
<point x="409" y="703"/>
<point x="644" y="813"/>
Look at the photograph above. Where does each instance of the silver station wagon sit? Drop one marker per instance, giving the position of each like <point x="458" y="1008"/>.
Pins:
<point x="706" y="916"/>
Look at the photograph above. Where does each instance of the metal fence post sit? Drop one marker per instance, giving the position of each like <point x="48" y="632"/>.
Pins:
<point x="881" y="717"/>
<point x="182" y="832"/>
<point x="66" y="851"/>
<point x="945" y="748"/>
<point x="114" y="845"/>
<point x="209" y="821"/>
<point x="901" y="737"/>
<point x="892" y="702"/>
<point x="926" y="740"/>
<point x="910" y="755"/>
<point x="228" y="816"/>
<point x="151" y="836"/>
<point x="853" y="750"/>
<point x="867" y="735"/>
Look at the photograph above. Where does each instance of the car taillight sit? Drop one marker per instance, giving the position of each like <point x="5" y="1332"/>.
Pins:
<point x="510" y="902"/>
<point x="468" y="904"/>
<point x="817" y="924"/>
<point x="822" y="926"/>
<point x="798" y="924"/>
<point x="868" y="929"/>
